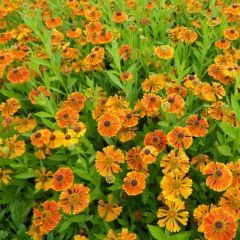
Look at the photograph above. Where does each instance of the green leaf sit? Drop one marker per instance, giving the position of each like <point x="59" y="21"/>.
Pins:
<point x="114" y="80"/>
<point x="181" y="236"/>
<point x="225" y="150"/>
<point x="229" y="130"/>
<point x="43" y="114"/>
<point x="25" y="175"/>
<point x="156" y="232"/>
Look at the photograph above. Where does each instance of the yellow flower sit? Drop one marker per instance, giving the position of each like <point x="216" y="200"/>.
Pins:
<point x="44" y="179"/>
<point x="173" y="216"/>
<point x="4" y="176"/>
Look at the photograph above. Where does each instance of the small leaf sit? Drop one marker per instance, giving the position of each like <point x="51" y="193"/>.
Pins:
<point x="181" y="236"/>
<point x="156" y="232"/>
<point x="225" y="150"/>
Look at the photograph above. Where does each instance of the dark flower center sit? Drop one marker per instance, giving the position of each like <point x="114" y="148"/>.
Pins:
<point x="77" y="129"/>
<point x="107" y="123"/>
<point x="171" y="100"/>
<point x="219" y="173"/>
<point x="59" y="177"/>
<point x="147" y="151"/>
<point x="15" y="71"/>
<point x="223" y="40"/>
<point x="218" y="224"/>
<point x="180" y="135"/>
<point x="65" y="115"/>
<point x="52" y="137"/>
<point x="129" y="115"/>
<point x="37" y="135"/>
<point x="118" y="14"/>
<point x="196" y="123"/>
<point x="134" y="182"/>
<point x="2" y="57"/>
<point x="155" y="139"/>
<point x="67" y="137"/>
<point x="232" y="31"/>
<point x="191" y="77"/>
<point x="152" y="99"/>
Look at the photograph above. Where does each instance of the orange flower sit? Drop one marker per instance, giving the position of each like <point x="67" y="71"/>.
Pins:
<point x="14" y="148"/>
<point x="47" y="217"/>
<point x="108" y="125"/>
<point x="134" y="183"/>
<point x="180" y="137"/>
<point x="53" y="22"/>
<point x="66" y="117"/>
<point x="41" y="137"/>
<point x="230" y="202"/>
<point x="176" y="103"/>
<point x="130" y="119"/>
<point x="10" y="107"/>
<point x="231" y="33"/>
<point x="175" y="162"/>
<point x="235" y="170"/>
<point x="200" y="212"/>
<point x="151" y="101"/>
<point x="154" y="83"/>
<point x="219" y="177"/>
<point x="56" y="139"/>
<point x="107" y="162"/>
<point x="125" y="51"/>
<point x="197" y="126"/>
<point x="76" y="101"/>
<point x="126" y="76"/>
<point x="164" y="52"/>
<point x="36" y="94"/>
<point x="134" y="160"/>
<point x="63" y="179"/>
<point x="119" y="17"/>
<point x="18" y="75"/>
<point x="74" y="33"/>
<point x="148" y="154"/>
<point x="109" y="211"/>
<point x="74" y="200"/>
<point x="176" y="186"/>
<point x="200" y="161"/>
<point x="217" y="110"/>
<point x="157" y="138"/>
<point x="223" y="44"/>
<point x="23" y="125"/>
<point x="218" y="224"/>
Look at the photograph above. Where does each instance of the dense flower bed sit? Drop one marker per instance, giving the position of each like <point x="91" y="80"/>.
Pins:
<point x="119" y="120"/>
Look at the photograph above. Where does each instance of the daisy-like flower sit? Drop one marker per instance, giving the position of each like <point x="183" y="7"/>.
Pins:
<point x="18" y="75"/>
<point x="172" y="217"/>
<point x="235" y="170"/>
<point x="123" y="235"/>
<point x="197" y="126"/>
<point x="10" y="107"/>
<point x="219" y="224"/>
<point x="76" y="101"/>
<point x="66" y="117"/>
<point x="219" y="177"/>
<point x="176" y="103"/>
<point x="62" y="179"/>
<point x="56" y="139"/>
<point x="5" y="176"/>
<point x="200" y="212"/>
<point x="230" y="201"/>
<point x="180" y="137"/>
<point x="119" y="17"/>
<point x="108" y="125"/>
<point x="200" y="161"/>
<point x="109" y="211"/>
<point x="154" y="83"/>
<point x="134" y="183"/>
<point x="47" y="216"/>
<point x="43" y="179"/>
<point x="157" y="139"/>
<point x="134" y="159"/>
<point x="75" y="199"/>
<point x="148" y="154"/>
<point x="175" y="187"/>
<point x="14" y="148"/>
<point x="107" y="161"/>
<point x="40" y="138"/>
<point x="164" y="52"/>
<point x="176" y="162"/>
